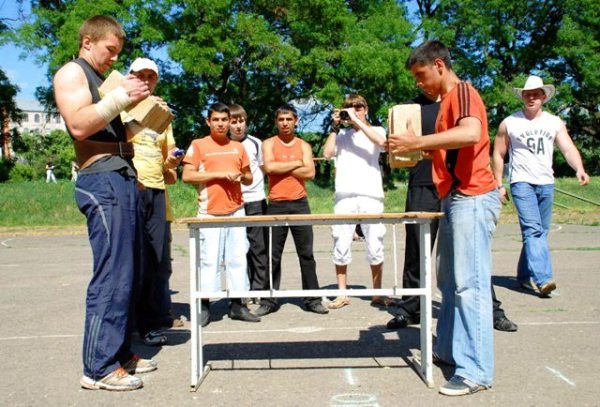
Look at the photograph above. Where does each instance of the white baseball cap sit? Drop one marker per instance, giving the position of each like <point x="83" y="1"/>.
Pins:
<point x="143" y="63"/>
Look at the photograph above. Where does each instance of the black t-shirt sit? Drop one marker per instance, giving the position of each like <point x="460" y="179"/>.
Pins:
<point x="420" y="174"/>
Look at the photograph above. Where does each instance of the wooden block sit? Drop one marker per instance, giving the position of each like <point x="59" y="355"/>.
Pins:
<point x="398" y="117"/>
<point x="146" y="112"/>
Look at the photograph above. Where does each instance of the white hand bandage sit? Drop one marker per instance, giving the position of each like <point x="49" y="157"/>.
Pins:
<point x="113" y="103"/>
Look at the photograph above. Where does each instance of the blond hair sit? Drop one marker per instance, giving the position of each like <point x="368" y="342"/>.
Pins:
<point x="352" y="100"/>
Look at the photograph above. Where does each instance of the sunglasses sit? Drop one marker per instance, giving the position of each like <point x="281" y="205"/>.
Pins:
<point x="356" y="106"/>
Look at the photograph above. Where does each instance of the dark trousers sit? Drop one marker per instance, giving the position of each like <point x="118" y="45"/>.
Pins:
<point x="154" y="305"/>
<point x="257" y="256"/>
<point x="423" y="199"/>
<point x="303" y="240"/>
<point x="109" y="202"/>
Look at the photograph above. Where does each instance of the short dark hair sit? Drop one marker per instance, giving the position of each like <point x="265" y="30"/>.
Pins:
<point x="237" y="111"/>
<point x="287" y="108"/>
<point x="427" y="53"/>
<point x="98" y="27"/>
<point x="218" y="108"/>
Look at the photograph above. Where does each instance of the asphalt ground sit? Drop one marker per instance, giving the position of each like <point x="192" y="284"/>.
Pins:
<point x="292" y="357"/>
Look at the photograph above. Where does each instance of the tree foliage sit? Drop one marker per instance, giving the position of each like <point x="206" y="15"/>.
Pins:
<point x="264" y="53"/>
<point x="497" y="43"/>
<point x="35" y="150"/>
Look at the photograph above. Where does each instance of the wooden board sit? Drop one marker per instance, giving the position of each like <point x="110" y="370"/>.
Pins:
<point x="147" y="112"/>
<point x="398" y="117"/>
<point x="315" y="218"/>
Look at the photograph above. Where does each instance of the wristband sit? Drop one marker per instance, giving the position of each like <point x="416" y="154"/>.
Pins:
<point x="112" y="104"/>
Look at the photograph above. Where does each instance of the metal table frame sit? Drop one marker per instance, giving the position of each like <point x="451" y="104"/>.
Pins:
<point x="199" y="369"/>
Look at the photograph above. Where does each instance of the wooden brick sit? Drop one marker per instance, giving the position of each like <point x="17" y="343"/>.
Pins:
<point x="398" y="117"/>
<point x="146" y="112"/>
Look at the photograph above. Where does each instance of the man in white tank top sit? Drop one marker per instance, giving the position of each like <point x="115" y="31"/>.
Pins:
<point x="529" y="136"/>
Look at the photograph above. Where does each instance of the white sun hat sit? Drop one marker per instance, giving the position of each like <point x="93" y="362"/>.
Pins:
<point x="143" y="63"/>
<point x="535" y="82"/>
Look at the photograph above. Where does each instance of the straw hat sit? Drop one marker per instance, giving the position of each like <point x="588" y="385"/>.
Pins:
<point x="535" y="82"/>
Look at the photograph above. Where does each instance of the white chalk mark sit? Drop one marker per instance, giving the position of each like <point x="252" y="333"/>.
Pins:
<point x="349" y="377"/>
<point x="354" y="399"/>
<point x="3" y="243"/>
<point x="380" y="327"/>
<point x="304" y="329"/>
<point x="560" y="376"/>
<point x="560" y="323"/>
<point x="17" y="338"/>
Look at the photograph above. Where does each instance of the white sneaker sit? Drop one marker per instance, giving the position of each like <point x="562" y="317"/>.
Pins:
<point x="118" y="380"/>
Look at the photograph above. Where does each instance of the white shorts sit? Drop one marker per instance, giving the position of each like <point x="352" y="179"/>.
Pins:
<point x="343" y="234"/>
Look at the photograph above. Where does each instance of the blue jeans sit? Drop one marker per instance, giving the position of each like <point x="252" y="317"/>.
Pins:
<point x="534" y="207"/>
<point x="464" y="266"/>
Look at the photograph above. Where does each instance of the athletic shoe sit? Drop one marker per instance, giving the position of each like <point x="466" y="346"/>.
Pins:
<point x="118" y="380"/>
<point x="155" y="338"/>
<point x="547" y="288"/>
<point x="504" y="324"/>
<point x="137" y="365"/>
<point x="459" y="386"/>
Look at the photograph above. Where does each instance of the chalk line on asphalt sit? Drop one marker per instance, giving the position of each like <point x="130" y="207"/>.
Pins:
<point x="560" y="376"/>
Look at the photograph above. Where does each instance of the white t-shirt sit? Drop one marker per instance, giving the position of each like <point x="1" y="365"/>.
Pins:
<point x="357" y="170"/>
<point x="255" y="191"/>
<point x="532" y="147"/>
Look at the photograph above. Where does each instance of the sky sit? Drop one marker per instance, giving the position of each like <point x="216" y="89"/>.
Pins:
<point x="24" y="73"/>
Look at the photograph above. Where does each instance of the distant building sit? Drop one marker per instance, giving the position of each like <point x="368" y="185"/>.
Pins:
<point x="36" y="118"/>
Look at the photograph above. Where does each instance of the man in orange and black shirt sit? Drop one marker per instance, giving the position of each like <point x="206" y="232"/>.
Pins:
<point x="471" y="205"/>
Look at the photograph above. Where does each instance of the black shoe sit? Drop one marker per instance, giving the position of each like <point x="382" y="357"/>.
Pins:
<point x="402" y="321"/>
<point x="317" y="307"/>
<point x="265" y="308"/>
<point x="204" y="313"/>
<point x="504" y="324"/>
<point x="242" y="313"/>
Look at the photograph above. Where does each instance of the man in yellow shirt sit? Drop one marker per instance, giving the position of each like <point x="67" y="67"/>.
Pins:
<point x="156" y="159"/>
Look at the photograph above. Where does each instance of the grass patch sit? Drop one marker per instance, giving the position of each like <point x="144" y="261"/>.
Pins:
<point x="39" y="205"/>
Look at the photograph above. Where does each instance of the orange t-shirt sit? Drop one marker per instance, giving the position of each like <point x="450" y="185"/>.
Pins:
<point x="472" y="172"/>
<point x="219" y="196"/>
<point x="286" y="187"/>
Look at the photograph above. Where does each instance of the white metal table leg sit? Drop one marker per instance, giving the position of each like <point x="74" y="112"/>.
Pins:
<point x="426" y="309"/>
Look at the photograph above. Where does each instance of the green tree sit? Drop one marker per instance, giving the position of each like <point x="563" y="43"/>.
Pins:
<point x="260" y="54"/>
<point x="497" y="43"/>
<point x="8" y="104"/>
<point x="34" y="150"/>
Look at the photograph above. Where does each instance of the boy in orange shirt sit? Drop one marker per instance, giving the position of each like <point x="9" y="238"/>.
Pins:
<point x="471" y="206"/>
<point x="217" y="166"/>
